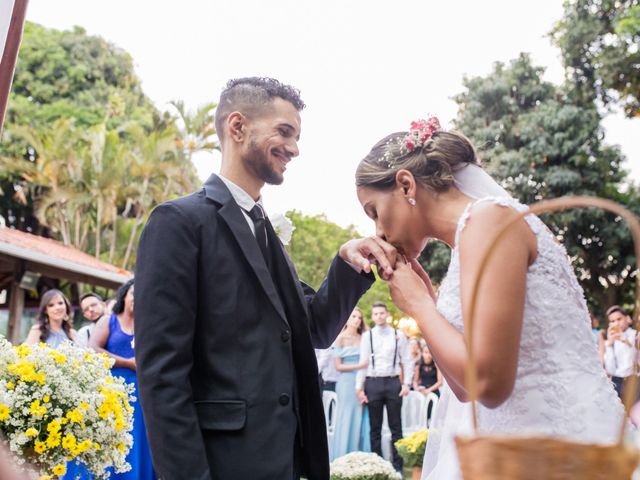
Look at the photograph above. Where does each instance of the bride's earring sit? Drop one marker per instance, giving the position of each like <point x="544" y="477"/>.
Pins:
<point x="412" y="201"/>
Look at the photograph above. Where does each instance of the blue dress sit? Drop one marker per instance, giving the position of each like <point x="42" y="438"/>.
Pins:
<point x="121" y="344"/>
<point x="139" y="457"/>
<point x="352" y="419"/>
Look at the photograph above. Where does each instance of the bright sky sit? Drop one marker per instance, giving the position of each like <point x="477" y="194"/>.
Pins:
<point x="365" y="69"/>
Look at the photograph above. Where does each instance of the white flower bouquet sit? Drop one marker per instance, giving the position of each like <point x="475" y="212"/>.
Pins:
<point x="362" y="466"/>
<point x="58" y="405"/>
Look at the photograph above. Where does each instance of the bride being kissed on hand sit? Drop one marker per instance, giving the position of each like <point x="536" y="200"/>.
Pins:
<point x="538" y="369"/>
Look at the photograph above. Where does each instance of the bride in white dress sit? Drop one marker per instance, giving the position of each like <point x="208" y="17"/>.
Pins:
<point x="538" y="367"/>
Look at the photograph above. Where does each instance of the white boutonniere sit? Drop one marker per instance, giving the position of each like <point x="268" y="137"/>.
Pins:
<point x="283" y="227"/>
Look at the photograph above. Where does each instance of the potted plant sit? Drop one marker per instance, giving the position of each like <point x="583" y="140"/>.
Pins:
<point x="362" y="466"/>
<point x="411" y="449"/>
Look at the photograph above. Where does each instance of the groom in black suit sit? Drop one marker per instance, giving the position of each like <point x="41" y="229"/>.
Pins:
<point x="225" y="330"/>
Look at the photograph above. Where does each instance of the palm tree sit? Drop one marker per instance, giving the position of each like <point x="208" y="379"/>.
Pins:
<point x="197" y="129"/>
<point x="152" y="155"/>
<point x="105" y="166"/>
<point x="51" y="176"/>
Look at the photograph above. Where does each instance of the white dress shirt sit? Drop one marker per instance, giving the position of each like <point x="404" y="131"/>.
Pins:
<point x="384" y="346"/>
<point x="619" y="357"/>
<point x="243" y="199"/>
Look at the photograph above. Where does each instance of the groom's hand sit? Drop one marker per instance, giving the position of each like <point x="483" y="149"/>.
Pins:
<point x="364" y="252"/>
<point x="362" y="397"/>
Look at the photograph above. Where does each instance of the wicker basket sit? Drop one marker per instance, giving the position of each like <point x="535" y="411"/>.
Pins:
<point x="484" y="457"/>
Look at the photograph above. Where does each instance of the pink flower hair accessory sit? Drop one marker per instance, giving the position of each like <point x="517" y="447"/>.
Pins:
<point x="419" y="133"/>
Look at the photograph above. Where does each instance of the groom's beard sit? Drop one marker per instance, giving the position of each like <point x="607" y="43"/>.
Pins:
<point x="258" y="162"/>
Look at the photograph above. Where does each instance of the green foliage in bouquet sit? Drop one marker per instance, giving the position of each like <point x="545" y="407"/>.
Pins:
<point x="362" y="466"/>
<point x="411" y="448"/>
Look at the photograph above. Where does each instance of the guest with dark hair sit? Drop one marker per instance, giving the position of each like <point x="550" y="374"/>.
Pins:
<point x="427" y="378"/>
<point x="92" y="307"/>
<point x="620" y="347"/>
<point x="114" y="336"/>
<point x="53" y="322"/>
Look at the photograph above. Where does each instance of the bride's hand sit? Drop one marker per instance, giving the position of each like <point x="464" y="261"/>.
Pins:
<point x="415" y="265"/>
<point x="409" y="290"/>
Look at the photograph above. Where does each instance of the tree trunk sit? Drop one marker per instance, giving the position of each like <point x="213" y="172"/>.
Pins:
<point x="62" y="227"/>
<point x="114" y="236"/>
<point x="132" y="238"/>
<point x="98" y="225"/>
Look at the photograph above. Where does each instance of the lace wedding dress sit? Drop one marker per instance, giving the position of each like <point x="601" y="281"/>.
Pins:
<point x="560" y="390"/>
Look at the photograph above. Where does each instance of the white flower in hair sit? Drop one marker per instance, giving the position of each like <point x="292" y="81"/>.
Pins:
<point x="282" y="226"/>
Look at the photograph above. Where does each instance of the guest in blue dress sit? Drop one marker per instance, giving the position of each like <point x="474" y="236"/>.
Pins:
<point x="352" y="418"/>
<point x="114" y="336"/>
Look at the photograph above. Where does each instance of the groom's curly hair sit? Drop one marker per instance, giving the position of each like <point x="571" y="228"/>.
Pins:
<point x="250" y="95"/>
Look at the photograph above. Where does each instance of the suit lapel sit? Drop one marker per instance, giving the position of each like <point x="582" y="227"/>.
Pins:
<point x="230" y="212"/>
<point x="280" y="252"/>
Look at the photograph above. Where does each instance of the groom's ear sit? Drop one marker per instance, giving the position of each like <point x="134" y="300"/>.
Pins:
<point x="237" y="126"/>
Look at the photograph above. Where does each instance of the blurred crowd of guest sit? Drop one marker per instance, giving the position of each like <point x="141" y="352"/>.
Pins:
<point x="371" y="369"/>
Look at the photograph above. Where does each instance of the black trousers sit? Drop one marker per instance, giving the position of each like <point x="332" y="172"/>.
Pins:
<point x="384" y="392"/>
<point x="618" y="383"/>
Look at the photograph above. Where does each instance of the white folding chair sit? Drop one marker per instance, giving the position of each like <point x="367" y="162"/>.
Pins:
<point x="413" y="413"/>
<point x="385" y="442"/>
<point x="330" y="404"/>
<point x="432" y="399"/>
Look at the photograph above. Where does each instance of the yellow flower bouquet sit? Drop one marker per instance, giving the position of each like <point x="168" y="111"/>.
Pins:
<point x="411" y="448"/>
<point x="61" y="405"/>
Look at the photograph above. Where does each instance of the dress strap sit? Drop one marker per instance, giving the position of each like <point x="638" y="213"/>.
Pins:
<point x="462" y="221"/>
<point x="503" y="202"/>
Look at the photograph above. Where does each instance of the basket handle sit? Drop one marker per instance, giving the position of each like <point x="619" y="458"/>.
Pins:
<point x="546" y="206"/>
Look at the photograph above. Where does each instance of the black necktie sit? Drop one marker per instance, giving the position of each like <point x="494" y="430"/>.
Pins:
<point x="257" y="216"/>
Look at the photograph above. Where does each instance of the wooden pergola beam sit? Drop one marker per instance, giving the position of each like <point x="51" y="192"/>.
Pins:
<point x="10" y="54"/>
<point x="16" y="305"/>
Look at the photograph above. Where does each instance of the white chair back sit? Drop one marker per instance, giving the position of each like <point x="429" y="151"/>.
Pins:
<point x="385" y="442"/>
<point x="330" y="404"/>
<point x="413" y="413"/>
<point x="432" y="399"/>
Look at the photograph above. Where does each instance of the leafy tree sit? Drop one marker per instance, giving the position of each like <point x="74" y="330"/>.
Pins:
<point x="435" y="260"/>
<point x="69" y="74"/>
<point x="542" y="145"/>
<point x="379" y="292"/>
<point x="599" y="40"/>
<point x="86" y="155"/>
<point x="313" y="245"/>
<point x="197" y="129"/>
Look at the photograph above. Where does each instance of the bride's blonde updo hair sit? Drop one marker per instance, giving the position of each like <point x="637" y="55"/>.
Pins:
<point x="430" y="155"/>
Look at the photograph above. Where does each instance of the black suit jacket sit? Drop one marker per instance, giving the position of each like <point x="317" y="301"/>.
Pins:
<point x="226" y="368"/>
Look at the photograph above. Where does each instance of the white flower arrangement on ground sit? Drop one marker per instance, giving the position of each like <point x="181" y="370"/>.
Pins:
<point x="58" y="405"/>
<point x="283" y="227"/>
<point x="362" y="466"/>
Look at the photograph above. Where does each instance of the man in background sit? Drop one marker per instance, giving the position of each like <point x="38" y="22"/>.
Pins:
<point x="93" y="308"/>
<point x="389" y="355"/>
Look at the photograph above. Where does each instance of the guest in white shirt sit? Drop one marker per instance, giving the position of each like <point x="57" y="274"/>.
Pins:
<point x="93" y="308"/>
<point x="620" y="349"/>
<point x="327" y="368"/>
<point x="387" y="351"/>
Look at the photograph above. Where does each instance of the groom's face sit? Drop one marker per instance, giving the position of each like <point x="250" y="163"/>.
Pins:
<point x="272" y="141"/>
